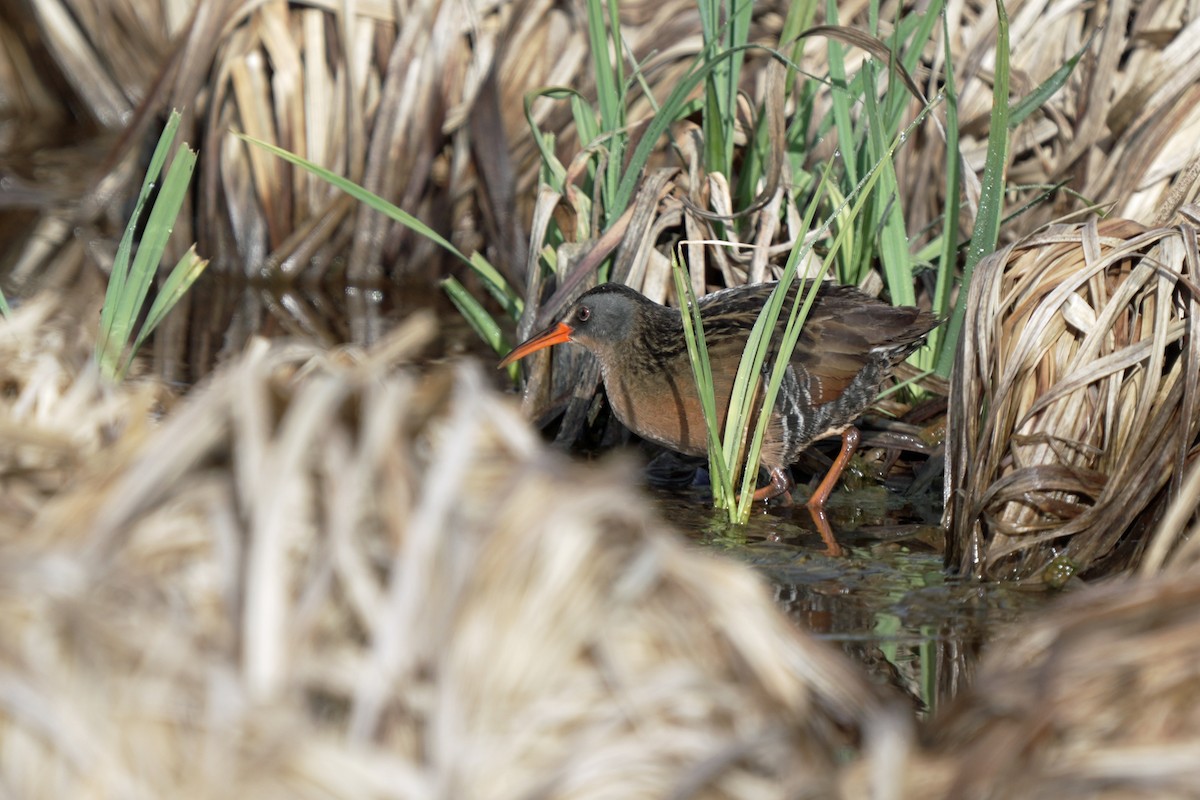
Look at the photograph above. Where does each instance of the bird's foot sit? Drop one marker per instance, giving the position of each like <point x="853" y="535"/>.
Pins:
<point x="779" y="491"/>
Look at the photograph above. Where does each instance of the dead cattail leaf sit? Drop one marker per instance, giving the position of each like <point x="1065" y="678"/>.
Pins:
<point x="1074" y="399"/>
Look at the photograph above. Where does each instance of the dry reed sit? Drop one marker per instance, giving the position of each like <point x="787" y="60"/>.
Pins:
<point x="1074" y="401"/>
<point x="1174" y="546"/>
<point x="424" y="105"/>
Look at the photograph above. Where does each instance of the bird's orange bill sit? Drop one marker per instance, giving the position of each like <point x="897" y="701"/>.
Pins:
<point x="557" y="335"/>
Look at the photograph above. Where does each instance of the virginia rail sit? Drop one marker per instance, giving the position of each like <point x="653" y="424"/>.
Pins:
<point x="849" y="344"/>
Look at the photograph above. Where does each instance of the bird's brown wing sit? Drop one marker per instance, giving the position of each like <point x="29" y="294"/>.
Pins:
<point x="845" y="331"/>
<point x="828" y="357"/>
<point x="724" y="356"/>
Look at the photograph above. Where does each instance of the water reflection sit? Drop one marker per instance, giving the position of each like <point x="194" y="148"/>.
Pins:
<point x="887" y="602"/>
<point x="220" y="314"/>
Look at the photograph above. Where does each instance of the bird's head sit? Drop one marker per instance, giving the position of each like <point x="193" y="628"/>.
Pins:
<point x="600" y="319"/>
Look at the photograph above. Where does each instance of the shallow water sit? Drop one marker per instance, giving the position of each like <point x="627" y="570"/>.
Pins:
<point x="887" y="602"/>
<point x="221" y="313"/>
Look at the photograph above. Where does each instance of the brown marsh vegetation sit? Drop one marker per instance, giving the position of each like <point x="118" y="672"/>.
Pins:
<point x="325" y="572"/>
<point x="1082" y="352"/>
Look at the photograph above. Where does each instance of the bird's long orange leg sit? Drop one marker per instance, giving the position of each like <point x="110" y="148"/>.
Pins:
<point x="816" y="503"/>
<point x="850" y="439"/>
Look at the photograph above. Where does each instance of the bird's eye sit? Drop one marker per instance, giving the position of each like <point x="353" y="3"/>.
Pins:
<point x="583" y="314"/>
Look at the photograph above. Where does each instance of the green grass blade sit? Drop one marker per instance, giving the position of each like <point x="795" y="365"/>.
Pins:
<point x="145" y="263"/>
<point x="479" y="319"/>
<point x="714" y="112"/>
<point x="800" y="16"/>
<point x="586" y="127"/>
<point x="671" y="109"/>
<point x="693" y="331"/>
<point x="185" y="273"/>
<point x="607" y="64"/>
<point x="718" y="131"/>
<point x="557" y="172"/>
<point x="496" y="285"/>
<point x="111" y="340"/>
<point x="1038" y="97"/>
<point x="991" y="198"/>
<point x="493" y="281"/>
<point x="618" y="62"/>
<point x="607" y="87"/>
<point x="725" y="27"/>
<point x="991" y="201"/>
<point x="948" y="261"/>
<point x="154" y="239"/>
<point x="923" y="25"/>
<point x="797" y="315"/>
<point x="841" y="101"/>
<point x="747" y="384"/>
<point x="893" y="235"/>
<point x="737" y="34"/>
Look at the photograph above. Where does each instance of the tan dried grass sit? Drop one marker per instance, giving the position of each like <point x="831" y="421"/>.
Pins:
<point x="424" y="105"/>
<point x="1120" y="134"/>
<point x="1074" y="402"/>
<point x="57" y="416"/>
<point x="321" y="576"/>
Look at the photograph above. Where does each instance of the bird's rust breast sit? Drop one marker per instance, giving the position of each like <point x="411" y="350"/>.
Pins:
<point x="661" y="406"/>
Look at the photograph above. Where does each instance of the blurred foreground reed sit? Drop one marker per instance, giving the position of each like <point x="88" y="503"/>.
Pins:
<point x="321" y="575"/>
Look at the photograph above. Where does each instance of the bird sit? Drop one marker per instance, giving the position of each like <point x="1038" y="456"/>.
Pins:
<point x="849" y="344"/>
